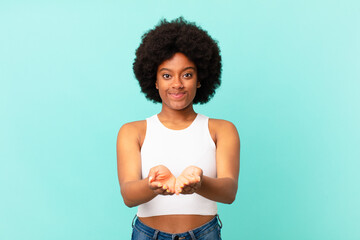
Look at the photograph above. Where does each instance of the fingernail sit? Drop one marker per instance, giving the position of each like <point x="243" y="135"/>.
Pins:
<point x="159" y="185"/>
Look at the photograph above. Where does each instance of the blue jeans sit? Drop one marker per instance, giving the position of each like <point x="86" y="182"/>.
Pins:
<point x="208" y="231"/>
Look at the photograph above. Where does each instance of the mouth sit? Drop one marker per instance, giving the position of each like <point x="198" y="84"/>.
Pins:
<point x="177" y="95"/>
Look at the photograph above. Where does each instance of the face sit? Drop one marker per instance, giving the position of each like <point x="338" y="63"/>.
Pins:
<point x="176" y="81"/>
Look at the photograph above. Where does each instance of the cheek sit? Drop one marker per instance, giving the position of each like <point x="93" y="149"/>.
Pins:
<point x="195" y="89"/>
<point x="161" y="90"/>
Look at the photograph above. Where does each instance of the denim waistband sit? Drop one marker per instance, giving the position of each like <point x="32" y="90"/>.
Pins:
<point x="191" y="235"/>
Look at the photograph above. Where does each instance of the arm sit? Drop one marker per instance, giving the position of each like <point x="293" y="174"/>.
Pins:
<point x="223" y="188"/>
<point x="135" y="190"/>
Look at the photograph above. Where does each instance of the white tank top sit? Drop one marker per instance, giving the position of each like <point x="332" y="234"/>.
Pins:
<point x="178" y="149"/>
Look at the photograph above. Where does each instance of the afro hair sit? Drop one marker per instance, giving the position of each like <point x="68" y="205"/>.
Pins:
<point x="166" y="39"/>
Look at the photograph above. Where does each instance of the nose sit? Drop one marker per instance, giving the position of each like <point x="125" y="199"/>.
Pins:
<point x="177" y="83"/>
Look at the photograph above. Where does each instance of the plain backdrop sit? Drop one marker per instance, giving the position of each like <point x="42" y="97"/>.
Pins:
<point x="290" y="84"/>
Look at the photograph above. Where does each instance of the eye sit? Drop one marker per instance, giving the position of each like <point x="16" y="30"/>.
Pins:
<point x="166" y="76"/>
<point x="188" y="75"/>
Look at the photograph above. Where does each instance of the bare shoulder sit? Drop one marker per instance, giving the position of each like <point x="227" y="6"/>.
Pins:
<point x="133" y="126"/>
<point x="220" y="124"/>
<point x="220" y="128"/>
<point x="132" y="130"/>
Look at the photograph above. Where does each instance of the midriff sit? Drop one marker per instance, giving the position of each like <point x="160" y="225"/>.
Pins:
<point x="175" y="223"/>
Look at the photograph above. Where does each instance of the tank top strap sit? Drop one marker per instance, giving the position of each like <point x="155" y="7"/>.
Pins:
<point x="151" y="120"/>
<point x="202" y="120"/>
<point x="202" y="124"/>
<point x="151" y="124"/>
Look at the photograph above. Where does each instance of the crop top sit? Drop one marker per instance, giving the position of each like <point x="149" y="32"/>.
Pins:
<point x="178" y="149"/>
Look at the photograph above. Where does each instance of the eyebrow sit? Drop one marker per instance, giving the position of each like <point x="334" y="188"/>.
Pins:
<point x="166" y="69"/>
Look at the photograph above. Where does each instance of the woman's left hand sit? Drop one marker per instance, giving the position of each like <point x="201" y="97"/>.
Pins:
<point x="189" y="180"/>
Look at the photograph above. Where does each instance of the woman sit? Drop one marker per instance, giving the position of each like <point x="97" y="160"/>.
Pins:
<point x="177" y="164"/>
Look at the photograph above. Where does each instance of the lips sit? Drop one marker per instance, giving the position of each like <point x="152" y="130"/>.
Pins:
<point x="177" y="95"/>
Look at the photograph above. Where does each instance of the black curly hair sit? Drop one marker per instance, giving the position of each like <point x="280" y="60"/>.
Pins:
<point x="166" y="39"/>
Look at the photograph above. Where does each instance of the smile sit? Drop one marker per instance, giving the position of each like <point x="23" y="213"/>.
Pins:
<point x="177" y="95"/>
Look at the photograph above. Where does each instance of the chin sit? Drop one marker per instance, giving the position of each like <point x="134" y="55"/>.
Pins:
<point x="178" y="106"/>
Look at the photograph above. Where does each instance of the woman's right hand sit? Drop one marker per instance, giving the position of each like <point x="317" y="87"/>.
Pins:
<point x="161" y="180"/>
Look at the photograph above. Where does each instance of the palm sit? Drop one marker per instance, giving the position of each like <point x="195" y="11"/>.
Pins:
<point x="189" y="180"/>
<point x="192" y="172"/>
<point x="165" y="177"/>
<point x="161" y="180"/>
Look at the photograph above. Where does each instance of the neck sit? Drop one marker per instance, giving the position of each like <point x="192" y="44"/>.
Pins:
<point x="177" y="115"/>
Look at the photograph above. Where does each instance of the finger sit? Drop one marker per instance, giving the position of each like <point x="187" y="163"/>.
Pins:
<point x="186" y="190"/>
<point x="185" y="179"/>
<point x="151" y="179"/>
<point x="177" y="188"/>
<point x="172" y="186"/>
<point x="155" y="185"/>
<point x="180" y="183"/>
<point x="160" y="191"/>
<point x="153" y="173"/>
<point x="188" y="180"/>
<point x="196" y="186"/>
<point x="198" y="171"/>
<point x="168" y="189"/>
<point x="195" y="172"/>
<point x="198" y="175"/>
<point x="198" y="178"/>
<point x="194" y="176"/>
<point x="165" y="192"/>
<point x="185" y="186"/>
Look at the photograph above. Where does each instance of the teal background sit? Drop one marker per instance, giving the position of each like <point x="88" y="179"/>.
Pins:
<point x="291" y="72"/>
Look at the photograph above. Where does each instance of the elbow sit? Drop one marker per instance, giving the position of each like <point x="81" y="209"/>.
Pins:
<point x="129" y="204"/>
<point x="127" y="201"/>
<point x="230" y="199"/>
<point x="232" y="195"/>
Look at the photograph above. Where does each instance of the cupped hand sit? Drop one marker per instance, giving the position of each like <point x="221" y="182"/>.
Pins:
<point x="161" y="180"/>
<point x="189" y="180"/>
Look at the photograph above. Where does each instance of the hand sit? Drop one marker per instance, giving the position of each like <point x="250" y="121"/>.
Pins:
<point x="189" y="180"/>
<point x="161" y="180"/>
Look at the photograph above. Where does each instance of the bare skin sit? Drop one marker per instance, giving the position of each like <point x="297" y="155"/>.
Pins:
<point x="177" y="84"/>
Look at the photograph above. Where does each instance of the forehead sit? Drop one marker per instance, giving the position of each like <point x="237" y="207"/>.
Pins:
<point x="177" y="62"/>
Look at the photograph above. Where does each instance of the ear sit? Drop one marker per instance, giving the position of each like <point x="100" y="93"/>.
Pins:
<point x="198" y="85"/>
<point x="156" y="85"/>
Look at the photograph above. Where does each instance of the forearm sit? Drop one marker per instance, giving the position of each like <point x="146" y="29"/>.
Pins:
<point x="136" y="192"/>
<point x="218" y="189"/>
